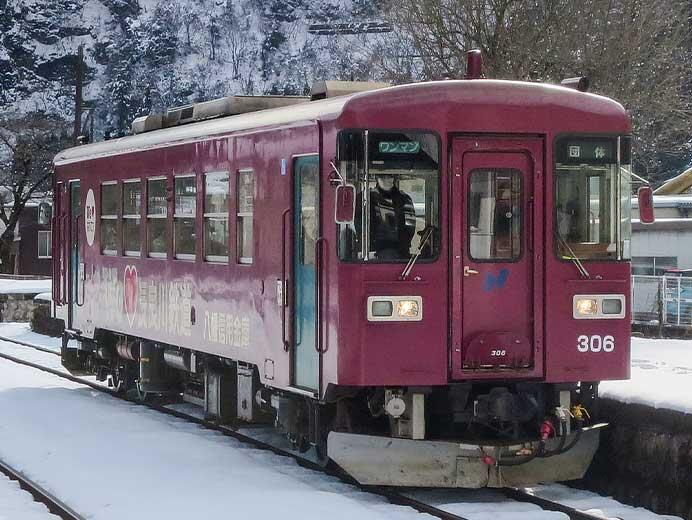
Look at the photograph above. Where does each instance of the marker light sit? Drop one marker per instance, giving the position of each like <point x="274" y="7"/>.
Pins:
<point x="611" y="306"/>
<point x="382" y="308"/>
<point x="586" y="307"/>
<point x="407" y="308"/>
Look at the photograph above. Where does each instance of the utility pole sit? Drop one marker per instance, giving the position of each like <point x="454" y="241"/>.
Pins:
<point x="79" y="79"/>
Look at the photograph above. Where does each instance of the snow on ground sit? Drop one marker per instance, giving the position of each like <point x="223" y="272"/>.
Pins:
<point x="149" y="465"/>
<point x="22" y="332"/>
<point x="595" y="504"/>
<point x="482" y="504"/>
<point x="8" y="286"/>
<point x="490" y="504"/>
<point x="169" y="455"/>
<point x="17" y="504"/>
<point x="661" y="375"/>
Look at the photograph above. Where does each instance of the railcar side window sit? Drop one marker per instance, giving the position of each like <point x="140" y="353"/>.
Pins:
<point x="132" y="206"/>
<point x="246" y="201"/>
<point x="109" y="218"/>
<point x="216" y="217"/>
<point x="397" y="201"/>
<point x="494" y="219"/>
<point x="184" y="238"/>
<point x="592" y="198"/>
<point x="157" y="213"/>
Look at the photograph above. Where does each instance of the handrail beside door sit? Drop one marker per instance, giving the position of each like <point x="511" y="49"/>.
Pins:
<point x="284" y="284"/>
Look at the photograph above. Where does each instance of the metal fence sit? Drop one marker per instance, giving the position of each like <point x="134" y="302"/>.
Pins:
<point x="662" y="300"/>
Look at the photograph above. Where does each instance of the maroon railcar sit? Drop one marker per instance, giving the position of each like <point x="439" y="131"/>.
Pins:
<point x="424" y="282"/>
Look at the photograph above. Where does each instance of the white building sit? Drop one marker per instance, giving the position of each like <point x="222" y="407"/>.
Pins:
<point x="667" y="243"/>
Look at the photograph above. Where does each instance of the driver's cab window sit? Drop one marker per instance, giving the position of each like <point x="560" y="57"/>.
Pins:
<point x="397" y="195"/>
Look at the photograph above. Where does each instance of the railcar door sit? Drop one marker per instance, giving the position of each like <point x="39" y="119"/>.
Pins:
<point x="75" y="264"/>
<point x="58" y="246"/>
<point x="497" y="285"/>
<point x="306" y="228"/>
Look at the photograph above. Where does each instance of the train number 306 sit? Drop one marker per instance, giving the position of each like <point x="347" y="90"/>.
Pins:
<point x="595" y="343"/>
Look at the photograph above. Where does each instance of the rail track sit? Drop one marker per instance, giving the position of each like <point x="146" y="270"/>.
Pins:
<point x="40" y="494"/>
<point x="393" y="495"/>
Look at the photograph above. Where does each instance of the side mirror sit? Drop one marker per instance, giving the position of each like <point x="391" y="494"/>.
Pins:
<point x="345" y="205"/>
<point x="645" y="198"/>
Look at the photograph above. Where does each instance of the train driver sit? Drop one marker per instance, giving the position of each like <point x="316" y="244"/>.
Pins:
<point x="392" y="220"/>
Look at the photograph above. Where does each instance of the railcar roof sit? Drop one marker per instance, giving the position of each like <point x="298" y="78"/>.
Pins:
<point x="481" y="92"/>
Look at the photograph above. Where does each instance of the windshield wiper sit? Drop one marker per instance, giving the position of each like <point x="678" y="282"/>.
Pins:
<point x="575" y="260"/>
<point x="425" y="236"/>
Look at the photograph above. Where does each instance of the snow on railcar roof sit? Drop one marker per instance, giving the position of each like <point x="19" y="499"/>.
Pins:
<point x="204" y="129"/>
<point x="472" y="91"/>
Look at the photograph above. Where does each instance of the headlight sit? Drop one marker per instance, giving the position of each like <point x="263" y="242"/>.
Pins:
<point x="598" y="306"/>
<point x="586" y="307"/>
<point x="395" y="308"/>
<point x="407" y="308"/>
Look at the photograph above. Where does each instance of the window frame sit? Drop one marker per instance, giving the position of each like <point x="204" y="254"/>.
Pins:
<point x="131" y="216"/>
<point x="40" y="233"/>
<point x="522" y="207"/>
<point x="440" y="172"/>
<point x="216" y="259"/>
<point x="156" y="254"/>
<point x="240" y="216"/>
<point x="109" y="216"/>
<point x="184" y="256"/>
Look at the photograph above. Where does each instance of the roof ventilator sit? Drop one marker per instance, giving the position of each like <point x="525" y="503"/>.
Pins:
<point x="226" y="106"/>
<point x="580" y="83"/>
<point x="330" y="89"/>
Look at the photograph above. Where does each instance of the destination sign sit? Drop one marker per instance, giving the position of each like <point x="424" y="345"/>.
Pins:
<point x="587" y="150"/>
<point x="399" y="146"/>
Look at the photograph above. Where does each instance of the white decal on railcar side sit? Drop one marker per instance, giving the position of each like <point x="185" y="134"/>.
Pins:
<point x="158" y="305"/>
<point x="90" y="217"/>
<point x="130" y="293"/>
<point x="595" y="343"/>
<point x="227" y="329"/>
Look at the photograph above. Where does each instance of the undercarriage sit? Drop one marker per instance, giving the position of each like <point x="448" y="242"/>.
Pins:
<point x="458" y="435"/>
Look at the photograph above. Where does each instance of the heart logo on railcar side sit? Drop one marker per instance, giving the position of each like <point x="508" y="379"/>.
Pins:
<point x="130" y="293"/>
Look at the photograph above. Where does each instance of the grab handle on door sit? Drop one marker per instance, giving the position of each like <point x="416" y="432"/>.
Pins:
<point x="81" y="267"/>
<point x="318" y="298"/>
<point x="529" y="225"/>
<point x="468" y="271"/>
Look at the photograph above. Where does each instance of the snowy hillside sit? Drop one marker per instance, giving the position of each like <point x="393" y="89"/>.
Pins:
<point x="150" y="54"/>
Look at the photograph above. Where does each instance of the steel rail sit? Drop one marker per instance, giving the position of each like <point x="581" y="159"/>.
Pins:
<point x="30" y="345"/>
<point x="521" y="495"/>
<point x="40" y="494"/>
<point x="388" y="493"/>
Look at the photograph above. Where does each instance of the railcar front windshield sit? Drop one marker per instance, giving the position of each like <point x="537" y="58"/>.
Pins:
<point x="396" y="175"/>
<point x="593" y="198"/>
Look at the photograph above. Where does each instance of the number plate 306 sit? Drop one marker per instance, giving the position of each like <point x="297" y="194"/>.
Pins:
<point x="595" y="343"/>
